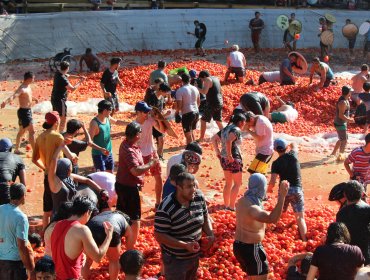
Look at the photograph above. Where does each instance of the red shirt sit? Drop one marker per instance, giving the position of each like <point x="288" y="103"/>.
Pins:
<point x="129" y="156"/>
<point x="65" y="267"/>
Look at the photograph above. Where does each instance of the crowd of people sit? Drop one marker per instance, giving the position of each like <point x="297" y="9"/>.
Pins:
<point x="88" y="217"/>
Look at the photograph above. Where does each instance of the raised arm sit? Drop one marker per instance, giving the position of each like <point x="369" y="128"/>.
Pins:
<point x="265" y="217"/>
<point x="207" y="84"/>
<point x="86" y="181"/>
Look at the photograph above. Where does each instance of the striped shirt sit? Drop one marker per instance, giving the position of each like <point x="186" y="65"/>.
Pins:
<point x="184" y="224"/>
<point x="360" y="163"/>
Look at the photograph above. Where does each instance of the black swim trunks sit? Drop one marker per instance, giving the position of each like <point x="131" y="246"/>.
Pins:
<point x="252" y="258"/>
<point x="60" y="106"/>
<point x="24" y="117"/>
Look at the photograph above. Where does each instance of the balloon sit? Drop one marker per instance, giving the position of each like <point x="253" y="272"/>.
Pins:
<point x="326" y="58"/>
<point x="297" y="36"/>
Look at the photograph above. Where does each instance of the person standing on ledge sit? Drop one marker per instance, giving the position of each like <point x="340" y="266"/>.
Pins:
<point x="256" y="25"/>
<point x="199" y="32"/>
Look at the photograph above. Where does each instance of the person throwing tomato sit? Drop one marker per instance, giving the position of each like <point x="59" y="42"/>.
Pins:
<point x="251" y="220"/>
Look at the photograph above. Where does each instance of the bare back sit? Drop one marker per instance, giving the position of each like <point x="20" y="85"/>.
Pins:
<point x="24" y="94"/>
<point x="357" y="82"/>
<point x="248" y="230"/>
<point x="73" y="244"/>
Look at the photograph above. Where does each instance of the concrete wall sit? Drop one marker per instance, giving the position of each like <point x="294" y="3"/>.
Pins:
<point x="43" y="35"/>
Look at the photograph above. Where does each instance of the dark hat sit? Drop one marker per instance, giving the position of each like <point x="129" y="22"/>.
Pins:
<point x="141" y="106"/>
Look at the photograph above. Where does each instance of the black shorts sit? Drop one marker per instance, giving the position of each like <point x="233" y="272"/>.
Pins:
<point x="12" y="270"/>
<point x="262" y="80"/>
<point x="238" y="71"/>
<point x="252" y="258"/>
<point x="199" y="42"/>
<point x="212" y="112"/>
<point x="189" y="121"/>
<point x="98" y="233"/>
<point x="47" y="198"/>
<point x="114" y="101"/>
<point x="259" y="164"/>
<point x="60" y="106"/>
<point x="4" y="193"/>
<point x="351" y="43"/>
<point x="128" y="201"/>
<point x="156" y="134"/>
<point x="24" y="117"/>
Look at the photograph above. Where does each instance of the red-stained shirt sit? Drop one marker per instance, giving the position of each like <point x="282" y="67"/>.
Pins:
<point x="129" y="156"/>
<point x="361" y="163"/>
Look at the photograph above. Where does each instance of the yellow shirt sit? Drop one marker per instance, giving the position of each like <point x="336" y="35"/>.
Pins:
<point x="46" y="144"/>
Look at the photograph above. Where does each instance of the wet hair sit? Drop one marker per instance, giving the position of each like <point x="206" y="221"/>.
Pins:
<point x="81" y="205"/>
<point x="185" y="78"/>
<point x="194" y="147"/>
<point x="316" y="59"/>
<point x="64" y="65"/>
<point x="364" y="67"/>
<point x="164" y="87"/>
<point x="132" y="129"/>
<point x="36" y="239"/>
<point x="63" y="212"/>
<point x="249" y="115"/>
<point x="257" y="13"/>
<point x="73" y="125"/>
<point x="204" y="74"/>
<point x="175" y="170"/>
<point x="115" y="60"/>
<point x="183" y="177"/>
<point x="196" y="21"/>
<point x="366" y="86"/>
<point x="104" y="105"/>
<point x="348" y="20"/>
<point x="305" y="264"/>
<point x="367" y="138"/>
<point x="17" y="191"/>
<point x="161" y="64"/>
<point x="131" y="262"/>
<point x="236" y="118"/>
<point x="88" y="51"/>
<point x="353" y="190"/>
<point x="28" y="75"/>
<point x="337" y="232"/>
<point x="45" y="264"/>
<point x="290" y="103"/>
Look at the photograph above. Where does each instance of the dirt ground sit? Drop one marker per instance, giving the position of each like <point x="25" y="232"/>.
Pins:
<point x="319" y="173"/>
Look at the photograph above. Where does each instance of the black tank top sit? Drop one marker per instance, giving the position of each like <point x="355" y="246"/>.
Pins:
<point x="214" y="95"/>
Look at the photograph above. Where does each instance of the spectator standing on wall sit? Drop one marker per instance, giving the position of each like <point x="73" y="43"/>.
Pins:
<point x="256" y="25"/>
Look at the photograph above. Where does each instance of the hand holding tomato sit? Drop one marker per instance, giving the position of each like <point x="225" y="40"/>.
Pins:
<point x="284" y="187"/>
<point x="206" y="243"/>
<point x="192" y="247"/>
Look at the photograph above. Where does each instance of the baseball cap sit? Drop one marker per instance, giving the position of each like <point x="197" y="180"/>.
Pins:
<point x="52" y="117"/>
<point x="280" y="144"/>
<point x="193" y="73"/>
<point x="5" y="145"/>
<point x="346" y="89"/>
<point x="141" y="106"/>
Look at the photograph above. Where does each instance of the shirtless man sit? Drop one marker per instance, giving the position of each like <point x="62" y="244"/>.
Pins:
<point x="91" y="60"/>
<point x="25" y="121"/>
<point x="251" y="220"/>
<point x="79" y="238"/>
<point x="358" y="81"/>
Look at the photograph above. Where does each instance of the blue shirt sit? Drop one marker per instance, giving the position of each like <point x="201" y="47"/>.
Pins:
<point x="288" y="65"/>
<point x="13" y="225"/>
<point x="168" y="188"/>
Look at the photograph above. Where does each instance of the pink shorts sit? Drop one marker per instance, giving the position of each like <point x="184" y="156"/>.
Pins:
<point x="155" y="169"/>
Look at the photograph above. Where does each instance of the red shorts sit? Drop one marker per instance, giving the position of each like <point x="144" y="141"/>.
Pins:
<point x="155" y="169"/>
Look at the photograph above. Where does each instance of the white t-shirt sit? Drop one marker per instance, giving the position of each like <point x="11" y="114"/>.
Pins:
<point x="146" y="143"/>
<point x="236" y="59"/>
<point x="106" y="181"/>
<point x="291" y="114"/>
<point x="264" y="128"/>
<point x="272" y="77"/>
<point x="188" y="94"/>
<point x="176" y="159"/>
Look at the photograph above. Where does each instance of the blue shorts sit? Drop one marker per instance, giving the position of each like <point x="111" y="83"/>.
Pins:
<point x="295" y="198"/>
<point x="103" y="163"/>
